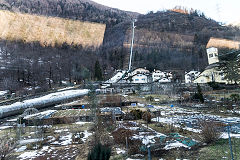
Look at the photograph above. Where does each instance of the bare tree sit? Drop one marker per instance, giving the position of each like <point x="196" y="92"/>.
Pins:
<point x="7" y="145"/>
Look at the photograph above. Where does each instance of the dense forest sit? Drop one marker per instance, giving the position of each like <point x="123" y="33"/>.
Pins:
<point x="165" y="40"/>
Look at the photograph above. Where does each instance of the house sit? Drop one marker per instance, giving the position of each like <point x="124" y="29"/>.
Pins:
<point x="211" y="72"/>
<point x="140" y="78"/>
<point x="157" y="74"/>
<point x="191" y="76"/>
<point x="140" y="71"/>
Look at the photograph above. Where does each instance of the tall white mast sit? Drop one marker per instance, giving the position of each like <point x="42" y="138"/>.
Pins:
<point x="130" y="59"/>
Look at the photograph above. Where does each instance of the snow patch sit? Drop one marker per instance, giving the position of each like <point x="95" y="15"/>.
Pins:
<point x="175" y="145"/>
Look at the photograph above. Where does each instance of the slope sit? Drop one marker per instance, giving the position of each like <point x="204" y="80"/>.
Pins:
<point x="49" y="30"/>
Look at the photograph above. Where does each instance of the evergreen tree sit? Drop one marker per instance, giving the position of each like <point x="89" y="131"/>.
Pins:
<point x="98" y="71"/>
<point x="230" y="65"/>
<point x="100" y="152"/>
<point x="200" y="95"/>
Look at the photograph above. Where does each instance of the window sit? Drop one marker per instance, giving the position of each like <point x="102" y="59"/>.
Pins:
<point x="210" y="55"/>
<point x="136" y="79"/>
<point x="143" y="79"/>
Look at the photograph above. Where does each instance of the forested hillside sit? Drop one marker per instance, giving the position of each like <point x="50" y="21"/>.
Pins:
<point x="167" y="40"/>
<point x="84" y="10"/>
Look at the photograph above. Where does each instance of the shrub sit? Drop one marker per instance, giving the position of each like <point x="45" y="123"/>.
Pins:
<point x="147" y="116"/>
<point x="137" y="114"/>
<point x="120" y="135"/>
<point x="7" y="146"/>
<point x="198" y="95"/>
<point x="149" y="98"/>
<point x="99" y="152"/>
<point x="210" y="131"/>
<point x="214" y="85"/>
<point x="235" y="97"/>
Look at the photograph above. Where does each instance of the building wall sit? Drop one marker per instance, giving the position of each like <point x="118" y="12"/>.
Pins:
<point x="212" y="54"/>
<point x="156" y="75"/>
<point x="191" y="76"/>
<point x="210" y="75"/>
<point x="140" y="78"/>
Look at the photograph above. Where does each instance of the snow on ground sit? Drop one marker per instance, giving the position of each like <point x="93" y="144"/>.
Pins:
<point x="64" y="140"/>
<point x="120" y="151"/>
<point x="189" y="120"/>
<point x="175" y="144"/>
<point x="5" y="127"/>
<point x="21" y="149"/>
<point x="3" y="92"/>
<point x="86" y="135"/>
<point x="29" y="155"/>
<point x="27" y="141"/>
<point x="225" y="135"/>
<point x="82" y="123"/>
<point x="63" y="89"/>
<point x="116" y="77"/>
<point x="41" y="115"/>
<point x="41" y="101"/>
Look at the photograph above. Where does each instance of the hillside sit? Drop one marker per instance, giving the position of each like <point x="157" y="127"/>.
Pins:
<point x="168" y="40"/>
<point x="84" y="10"/>
<point x="49" y="30"/>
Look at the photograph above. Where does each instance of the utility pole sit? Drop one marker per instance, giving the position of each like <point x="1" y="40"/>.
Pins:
<point x="230" y="144"/>
<point x="130" y="59"/>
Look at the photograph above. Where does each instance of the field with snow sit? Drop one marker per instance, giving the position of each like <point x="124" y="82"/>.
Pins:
<point x="173" y="133"/>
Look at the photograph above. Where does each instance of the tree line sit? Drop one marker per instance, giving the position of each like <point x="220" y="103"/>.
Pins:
<point x="37" y="66"/>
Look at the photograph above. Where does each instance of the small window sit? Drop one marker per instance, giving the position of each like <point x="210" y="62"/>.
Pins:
<point x="136" y="79"/>
<point x="143" y="79"/>
<point x="210" y="55"/>
<point x="215" y="54"/>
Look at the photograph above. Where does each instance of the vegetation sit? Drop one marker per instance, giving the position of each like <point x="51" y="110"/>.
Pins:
<point x="147" y="116"/>
<point x="49" y="31"/>
<point x="149" y="98"/>
<point x="235" y="97"/>
<point x="98" y="71"/>
<point x="210" y="131"/>
<point x="214" y="85"/>
<point x="230" y="65"/>
<point x="7" y="146"/>
<point x="198" y="95"/>
<point x="136" y="113"/>
<point x="36" y="55"/>
<point x="100" y="152"/>
<point x="220" y="150"/>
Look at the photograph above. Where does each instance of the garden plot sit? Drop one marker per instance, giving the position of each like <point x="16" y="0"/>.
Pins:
<point x="189" y="120"/>
<point x="66" y="141"/>
<point x="143" y="137"/>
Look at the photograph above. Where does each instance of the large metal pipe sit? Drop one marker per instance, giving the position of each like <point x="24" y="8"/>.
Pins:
<point x="41" y="102"/>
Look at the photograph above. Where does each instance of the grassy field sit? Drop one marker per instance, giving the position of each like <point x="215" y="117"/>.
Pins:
<point x="49" y="30"/>
<point x="220" y="150"/>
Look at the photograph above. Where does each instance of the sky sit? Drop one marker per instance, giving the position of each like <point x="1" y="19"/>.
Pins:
<point x="226" y="11"/>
